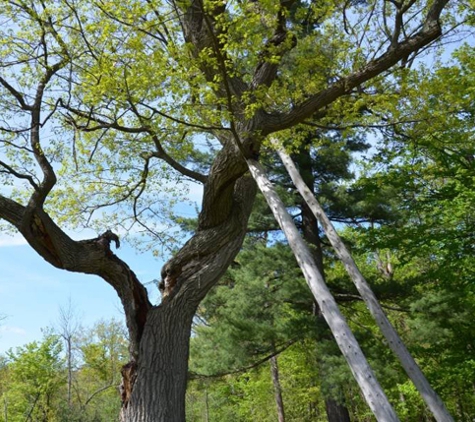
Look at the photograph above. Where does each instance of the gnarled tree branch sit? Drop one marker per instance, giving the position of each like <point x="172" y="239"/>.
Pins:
<point x="430" y="31"/>
<point x="92" y="256"/>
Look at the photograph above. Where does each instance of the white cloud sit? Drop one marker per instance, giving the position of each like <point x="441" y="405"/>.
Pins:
<point x="11" y="240"/>
<point x="12" y="330"/>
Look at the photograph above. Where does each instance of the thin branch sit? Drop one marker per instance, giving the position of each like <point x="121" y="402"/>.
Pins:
<point x="28" y="417"/>
<point x="160" y="36"/>
<point x="51" y="113"/>
<point x="194" y="375"/>
<point x="142" y="184"/>
<point x="101" y="124"/>
<point x="96" y="146"/>
<point x="17" y="95"/>
<point x="81" y="30"/>
<point x="23" y="148"/>
<point x="366" y="26"/>
<point x="363" y="125"/>
<point x="98" y="391"/>
<point x="161" y="153"/>
<point x="10" y="170"/>
<point x="49" y="177"/>
<point x="162" y="22"/>
<point x="350" y="297"/>
<point x="176" y="120"/>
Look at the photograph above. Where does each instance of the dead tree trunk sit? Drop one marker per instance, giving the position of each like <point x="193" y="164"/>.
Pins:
<point x="372" y="391"/>
<point x="430" y="397"/>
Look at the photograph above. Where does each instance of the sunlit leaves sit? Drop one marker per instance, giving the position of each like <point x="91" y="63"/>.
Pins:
<point x="36" y="375"/>
<point x="130" y="75"/>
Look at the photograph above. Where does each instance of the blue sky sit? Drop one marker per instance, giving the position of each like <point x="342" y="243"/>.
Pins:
<point x="31" y="291"/>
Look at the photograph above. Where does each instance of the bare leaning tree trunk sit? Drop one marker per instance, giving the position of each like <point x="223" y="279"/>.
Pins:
<point x="369" y="385"/>
<point x="413" y="371"/>
<point x="68" y="327"/>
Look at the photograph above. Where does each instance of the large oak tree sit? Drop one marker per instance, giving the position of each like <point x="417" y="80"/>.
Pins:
<point x="104" y="104"/>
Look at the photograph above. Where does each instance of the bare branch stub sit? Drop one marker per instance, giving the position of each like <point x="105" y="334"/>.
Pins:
<point x="107" y="237"/>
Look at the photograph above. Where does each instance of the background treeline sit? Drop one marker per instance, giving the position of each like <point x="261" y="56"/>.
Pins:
<point x="72" y="374"/>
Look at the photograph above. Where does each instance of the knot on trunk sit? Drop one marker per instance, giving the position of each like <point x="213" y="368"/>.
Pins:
<point x="170" y="274"/>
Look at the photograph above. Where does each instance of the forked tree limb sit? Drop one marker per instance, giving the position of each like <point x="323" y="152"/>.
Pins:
<point x="92" y="256"/>
<point x="430" y="31"/>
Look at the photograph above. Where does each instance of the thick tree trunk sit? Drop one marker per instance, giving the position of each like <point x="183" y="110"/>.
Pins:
<point x="279" y="402"/>
<point x="158" y="393"/>
<point x="372" y="391"/>
<point x="430" y="397"/>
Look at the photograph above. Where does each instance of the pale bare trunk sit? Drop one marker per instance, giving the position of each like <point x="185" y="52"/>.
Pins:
<point x="430" y="397"/>
<point x="372" y="391"/>
<point x="70" y="371"/>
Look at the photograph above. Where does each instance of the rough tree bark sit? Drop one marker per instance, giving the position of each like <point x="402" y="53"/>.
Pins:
<point x="431" y="398"/>
<point x="159" y="392"/>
